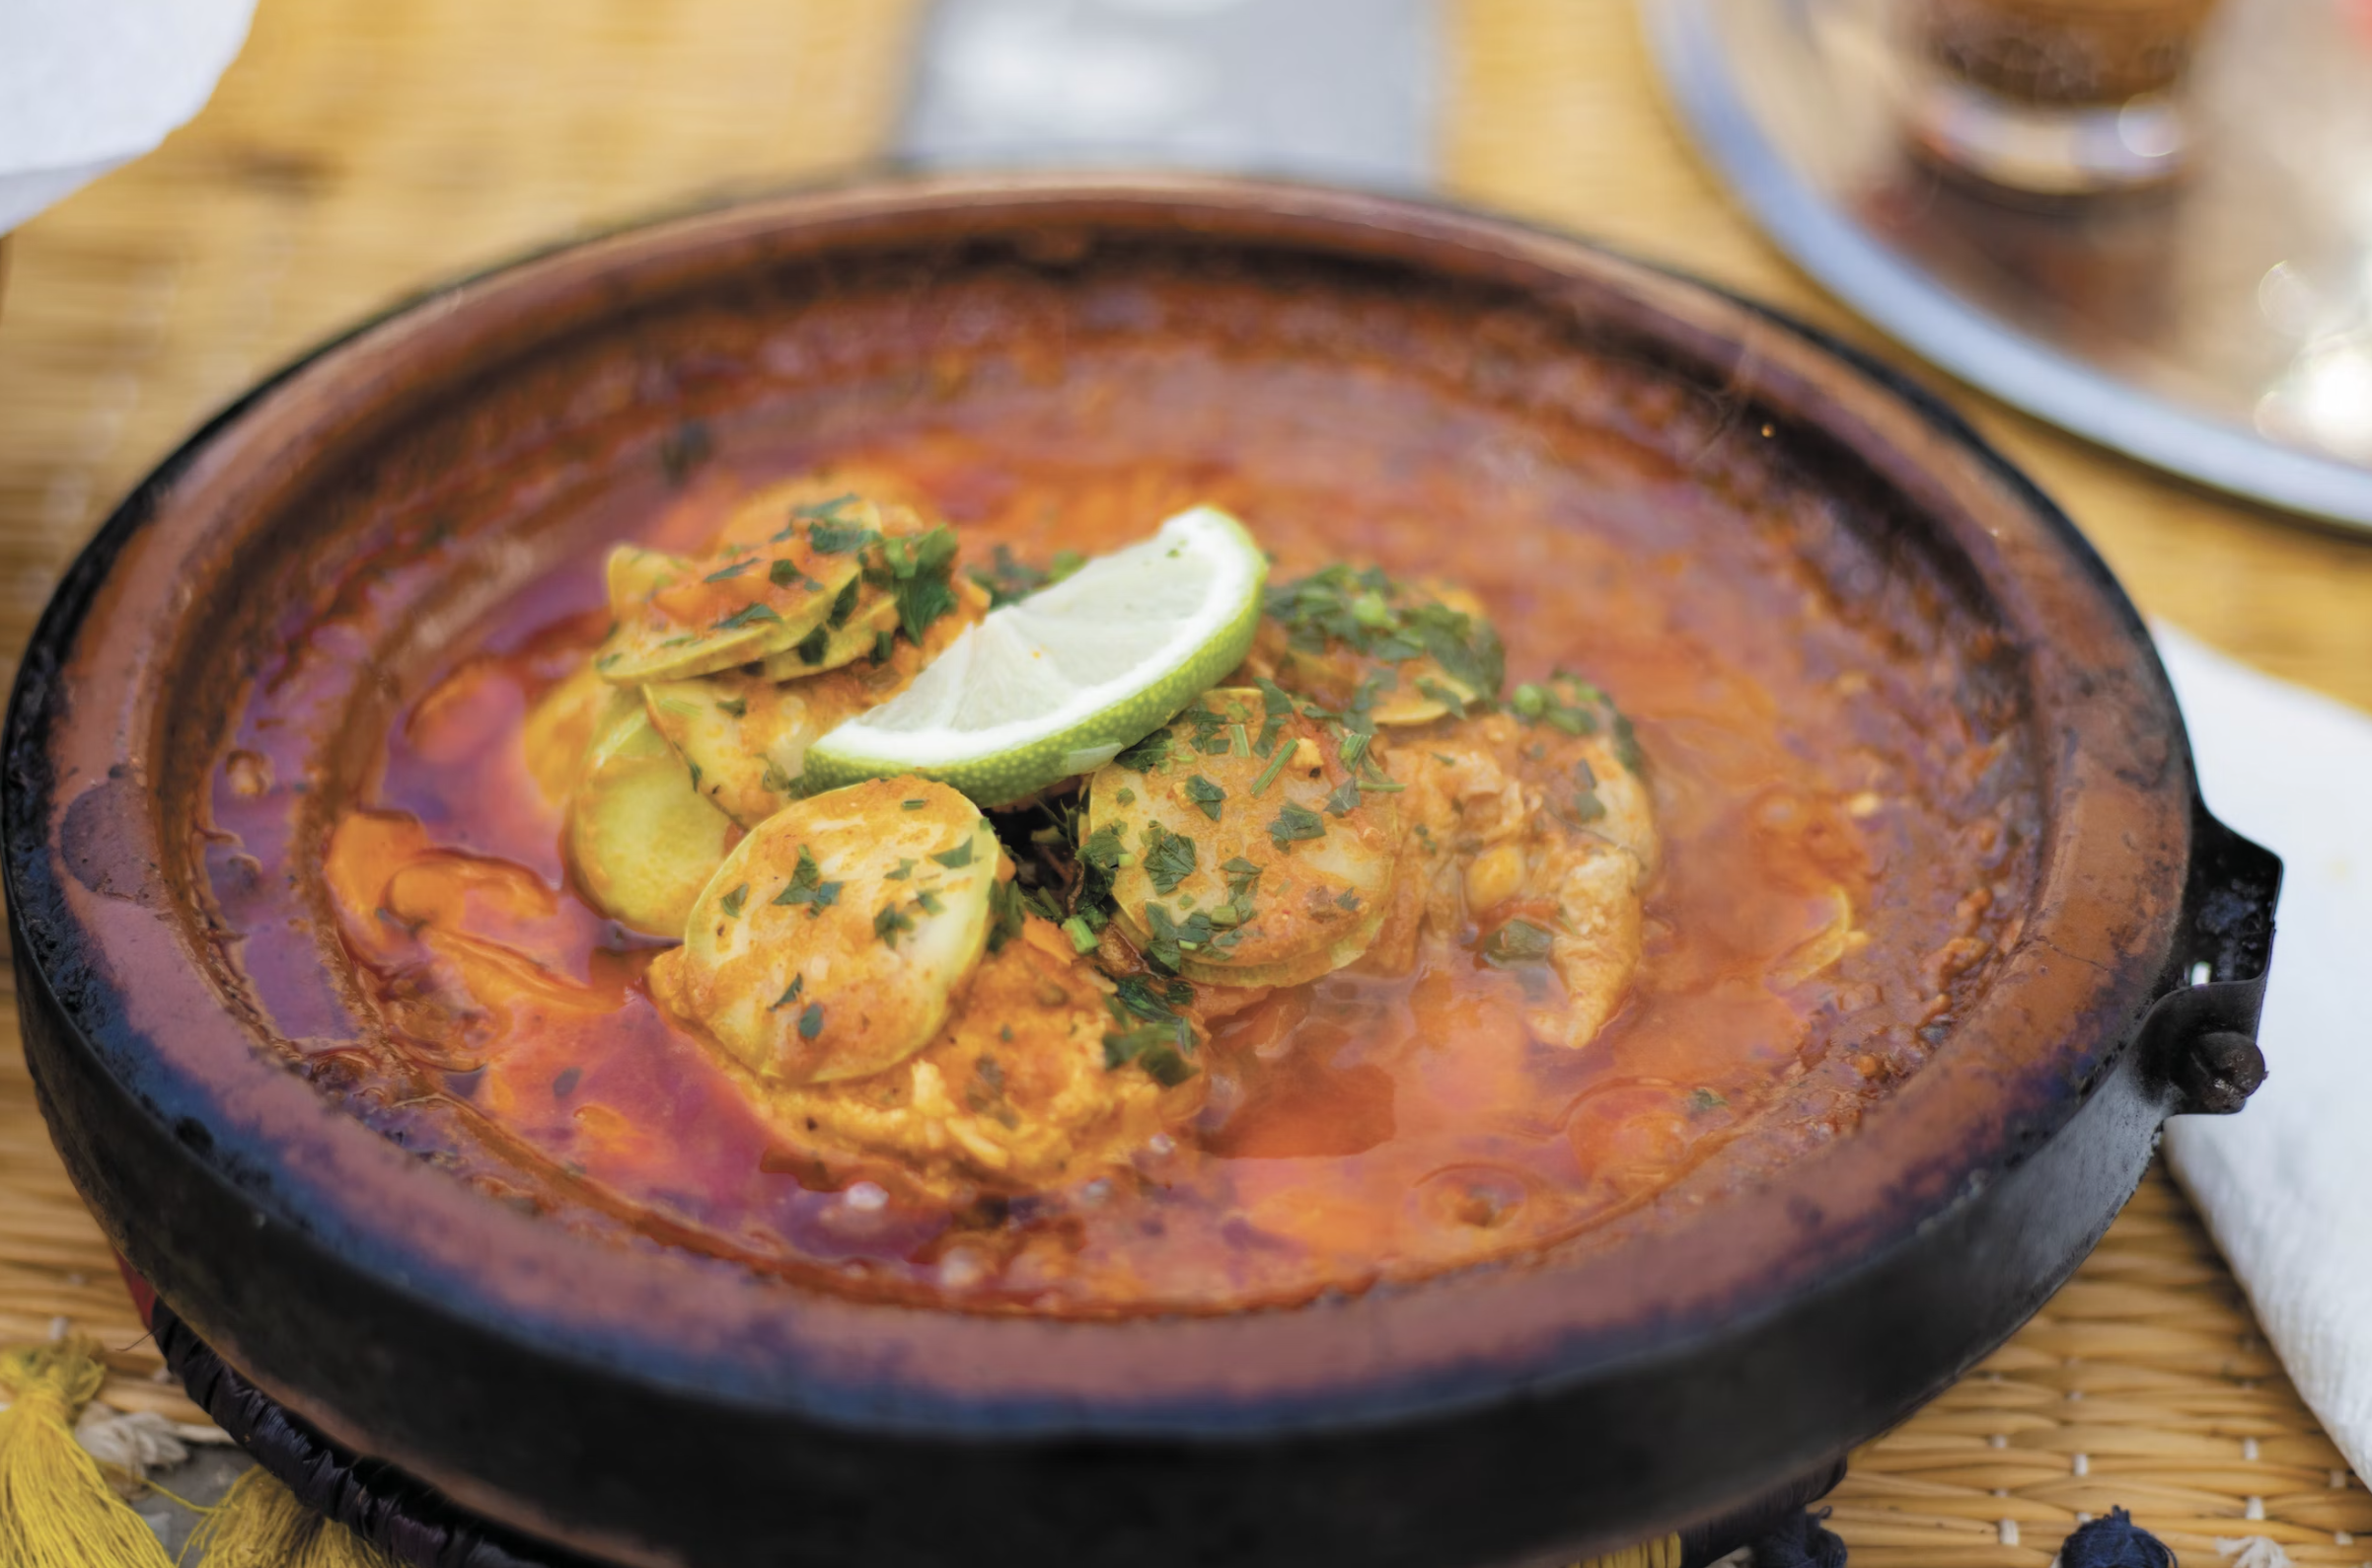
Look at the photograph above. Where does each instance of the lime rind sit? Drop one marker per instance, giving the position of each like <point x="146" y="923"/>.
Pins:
<point x="1058" y="683"/>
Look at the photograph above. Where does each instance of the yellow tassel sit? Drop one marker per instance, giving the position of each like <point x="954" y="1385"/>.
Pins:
<point x="1662" y="1553"/>
<point x="57" y="1509"/>
<point x="259" y="1524"/>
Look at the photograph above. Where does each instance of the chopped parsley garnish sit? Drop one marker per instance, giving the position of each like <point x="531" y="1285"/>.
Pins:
<point x="775" y="781"/>
<point x="747" y="614"/>
<point x="1295" y="822"/>
<point x="1007" y="912"/>
<point x="1153" y="1000"/>
<point x="906" y="868"/>
<point x="1145" y="755"/>
<point x="1586" y="807"/>
<point x="1168" y="857"/>
<point x="1367" y="612"/>
<point x="807" y="886"/>
<point x="884" y="644"/>
<point x="1152" y="1046"/>
<point x="1347" y="898"/>
<point x="1103" y="849"/>
<point x="912" y="805"/>
<point x="733" y="706"/>
<point x="957" y="858"/>
<point x="1171" y="938"/>
<point x="811" y="1021"/>
<point x="1008" y="578"/>
<point x="1206" y="794"/>
<point x="722" y="573"/>
<point x="1701" y="1100"/>
<point x="1345" y="798"/>
<point x="922" y="570"/>
<point x="929" y="903"/>
<point x="791" y="994"/>
<point x="810" y="647"/>
<point x="889" y="921"/>
<point x="1518" y="941"/>
<point x="731" y="903"/>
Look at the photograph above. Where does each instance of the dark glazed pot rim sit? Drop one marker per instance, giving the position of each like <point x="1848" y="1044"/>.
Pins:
<point x="107" y="925"/>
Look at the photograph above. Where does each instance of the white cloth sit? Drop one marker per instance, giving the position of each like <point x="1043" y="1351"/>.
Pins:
<point x="2286" y="1185"/>
<point x="85" y="85"/>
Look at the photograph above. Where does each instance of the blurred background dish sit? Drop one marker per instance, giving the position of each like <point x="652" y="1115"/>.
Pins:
<point x="2165" y="249"/>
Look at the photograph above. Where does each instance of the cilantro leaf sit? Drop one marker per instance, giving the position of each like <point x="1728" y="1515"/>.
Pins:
<point x="1203" y="793"/>
<point x="1295" y="822"/>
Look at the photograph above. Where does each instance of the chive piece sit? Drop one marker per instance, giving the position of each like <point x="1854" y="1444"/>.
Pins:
<point x="884" y="644"/>
<point x="1203" y="793"/>
<point x="956" y="859"/>
<point x="722" y="573"/>
<point x="912" y="805"/>
<point x="1268" y="775"/>
<point x="1081" y="938"/>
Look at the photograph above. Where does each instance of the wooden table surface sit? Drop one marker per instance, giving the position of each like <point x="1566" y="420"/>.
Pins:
<point x="360" y="151"/>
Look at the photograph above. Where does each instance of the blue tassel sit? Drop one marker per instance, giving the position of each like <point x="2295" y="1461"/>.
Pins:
<point x="1801" y="1540"/>
<point x="2114" y="1542"/>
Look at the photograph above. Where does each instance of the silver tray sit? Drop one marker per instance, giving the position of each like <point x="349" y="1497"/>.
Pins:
<point x="2221" y="329"/>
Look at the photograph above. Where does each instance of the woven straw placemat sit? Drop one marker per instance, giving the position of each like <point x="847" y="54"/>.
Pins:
<point x="359" y="151"/>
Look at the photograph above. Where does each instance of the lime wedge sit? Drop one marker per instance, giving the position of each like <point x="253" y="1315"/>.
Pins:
<point x="1060" y="682"/>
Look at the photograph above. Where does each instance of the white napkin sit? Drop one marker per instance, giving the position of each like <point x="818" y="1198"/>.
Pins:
<point x="85" y="85"/>
<point x="2286" y="1184"/>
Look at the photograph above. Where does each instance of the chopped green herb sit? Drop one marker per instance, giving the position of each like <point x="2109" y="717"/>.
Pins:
<point x="791" y="994"/>
<point x="1172" y="937"/>
<point x="774" y="781"/>
<point x="1103" y="849"/>
<point x="807" y="886"/>
<point x="1203" y="793"/>
<point x="929" y="903"/>
<point x="731" y="903"/>
<point x="1701" y="1100"/>
<point x="912" y="805"/>
<point x="884" y="644"/>
<point x="1295" y="822"/>
<point x="905" y="870"/>
<point x="1347" y="898"/>
<point x="565" y="1083"/>
<point x="1125" y="796"/>
<point x="810" y="647"/>
<point x="1587" y="806"/>
<point x="1268" y="775"/>
<point x="733" y="706"/>
<point x="1082" y="940"/>
<point x="721" y="573"/>
<point x="1168" y="857"/>
<point x="1007" y="912"/>
<point x="1153" y="1000"/>
<point x="747" y="614"/>
<point x="1152" y="1046"/>
<point x="957" y="858"/>
<point x="889" y="922"/>
<point x="844" y="605"/>
<point x="1146" y="754"/>
<point x="811" y="1021"/>
<point x="1345" y="798"/>
<point x="1518" y="941"/>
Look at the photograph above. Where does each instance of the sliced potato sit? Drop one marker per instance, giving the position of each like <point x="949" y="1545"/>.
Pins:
<point x="559" y="728"/>
<point x="748" y="736"/>
<point x="1014" y="1093"/>
<point x="640" y="841"/>
<point x="1245" y="839"/>
<point x="680" y="615"/>
<point x="842" y="638"/>
<point x="831" y="942"/>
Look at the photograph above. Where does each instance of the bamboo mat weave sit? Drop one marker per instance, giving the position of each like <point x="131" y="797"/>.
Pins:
<point x="359" y="151"/>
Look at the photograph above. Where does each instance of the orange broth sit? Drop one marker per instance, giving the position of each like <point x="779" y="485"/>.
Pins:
<point x="1356" y="1130"/>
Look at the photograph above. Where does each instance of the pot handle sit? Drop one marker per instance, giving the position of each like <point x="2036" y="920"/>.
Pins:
<point x="2201" y="1035"/>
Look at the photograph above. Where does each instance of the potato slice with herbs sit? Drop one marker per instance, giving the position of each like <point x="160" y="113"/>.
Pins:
<point x="832" y="942"/>
<point x="1362" y="642"/>
<point x="640" y="841"/>
<point x="1244" y="847"/>
<point x="680" y="615"/>
<point x="744" y="737"/>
